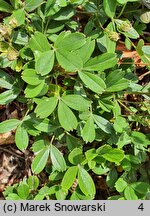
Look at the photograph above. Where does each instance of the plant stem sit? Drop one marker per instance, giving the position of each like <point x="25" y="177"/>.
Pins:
<point x="121" y="12"/>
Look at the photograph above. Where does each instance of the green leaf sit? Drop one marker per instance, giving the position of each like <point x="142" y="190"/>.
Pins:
<point x="39" y="145"/>
<point x="86" y="183"/>
<point x="76" y="102"/>
<point x="57" y="159"/>
<point x="32" y="91"/>
<point x="20" y="37"/>
<point x="93" y="82"/>
<point x="44" y="63"/>
<point x="40" y="161"/>
<point x="139" y="138"/>
<point x="103" y="124"/>
<point x="88" y="132"/>
<point x="6" y="80"/>
<point x="69" y="60"/>
<point x="5" y="7"/>
<point x="130" y="194"/>
<point x="9" y="125"/>
<point x="31" y="5"/>
<point x="21" y="138"/>
<point x="132" y="33"/>
<point x="114" y="155"/>
<point x="146" y="50"/>
<point x="115" y="81"/>
<point x="64" y="14"/>
<point x="141" y="187"/>
<point x="39" y="42"/>
<point x="110" y="7"/>
<point x="45" y="125"/>
<point x="45" y="107"/>
<point x="30" y="77"/>
<point x="75" y="157"/>
<point x="120" y="185"/>
<point x="66" y="117"/>
<point x="86" y="50"/>
<point x="13" y="196"/>
<point x="8" y="96"/>
<point x="101" y="62"/>
<point x="69" y="177"/>
<point x="111" y="178"/>
<point x="118" y="86"/>
<point x="61" y="194"/>
<point x="23" y="191"/>
<point x="120" y="124"/>
<point x="71" y="41"/>
<point x="19" y="16"/>
<point x="103" y="149"/>
<point x="33" y="182"/>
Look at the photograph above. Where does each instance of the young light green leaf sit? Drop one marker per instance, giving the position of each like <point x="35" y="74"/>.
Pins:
<point x="40" y="161"/>
<point x="5" y="7"/>
<point x="44" y="63"/>
<point x="33" y="182"/>
<point x="66" y="117"/>
<point x="23" y="191"/>
<point x="19" y="16"/>
<point x="75" y="157"/>
<point x="103" y="124"/>
<point x="21" y="138"/>
<point x="13" y="196"/>
<point x="93" y="82"/>
<point x="76" y="102"/>
<point x="130" y="194"/>
<point x="32" y="5"/>
<point x="69" y="60"/>
<point x="57" y="159"/>
<point x="120" y="185"/>
<point x="39" y="42"/>
<point x="101" y="62"/>
<point x="88" y="132"/>
<point x="31" y="77"/>
<point x="120" y="124"/>
<point x="110" y="7"/>
<point x="86" y="183"/>
<point x="69" y="177"/>
<point x="46" y="107"/>
<point x="32" y="91"/>
<point x="9" y="125"/>
<point x="114" y="155"/>
<point x="103" y="149"/>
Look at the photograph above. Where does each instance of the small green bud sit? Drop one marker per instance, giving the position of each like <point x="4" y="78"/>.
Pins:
<point x="12" y="54"/>
<point x="13" y="22"/>
<point x="145" y="17"/>
<point x="125" y="26"/>
<point x="114" y="36"/>
<point x="5" y="31"/>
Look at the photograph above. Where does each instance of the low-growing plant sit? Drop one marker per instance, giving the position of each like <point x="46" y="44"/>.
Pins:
<point x="85" y="108"/>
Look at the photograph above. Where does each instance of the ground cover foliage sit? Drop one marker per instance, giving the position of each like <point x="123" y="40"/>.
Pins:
<point x="76" y="75"/>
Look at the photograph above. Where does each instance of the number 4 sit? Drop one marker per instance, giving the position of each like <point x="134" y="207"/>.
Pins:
<point x="141" y="207"/>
